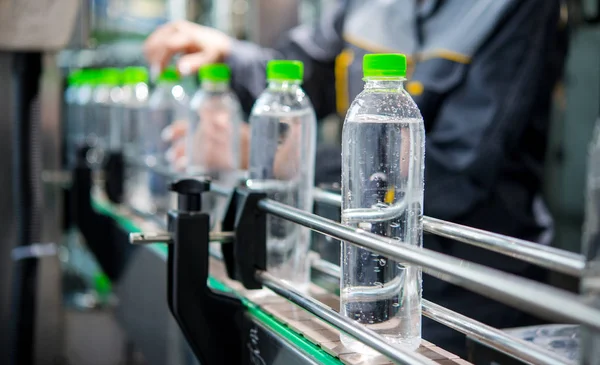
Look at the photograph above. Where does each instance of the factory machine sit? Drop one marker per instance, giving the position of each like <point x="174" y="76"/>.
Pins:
<point x="183" y="294"/>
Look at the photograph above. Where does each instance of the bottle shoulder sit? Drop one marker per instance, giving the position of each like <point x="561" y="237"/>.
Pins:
<point x="386" y="105"/>
<point x="282" y="101"/>
<point x="135" y="95"/>
<point x="226" y="99"/>
<point x="167" y="96"/>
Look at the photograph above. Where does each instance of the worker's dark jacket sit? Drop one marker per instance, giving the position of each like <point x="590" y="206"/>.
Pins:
<point x="482" y="74"/>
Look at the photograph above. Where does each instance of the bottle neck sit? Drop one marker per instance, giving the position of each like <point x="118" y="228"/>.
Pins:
<point x="284" y="84"/>
<point x="388" y="83"/>
<point x="215" y="86"/>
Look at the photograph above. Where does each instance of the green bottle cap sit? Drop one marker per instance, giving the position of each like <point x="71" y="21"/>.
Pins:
<point x="384" y="65"/>
<point x="218" y="72"/>
<point x="74" y="78"/>
<point x="169" y="74"/>
<point x="110" y="76"/>
<point x="135" y="75"/>
<point x="89" y="77"/>
<point x="285" y="70"/>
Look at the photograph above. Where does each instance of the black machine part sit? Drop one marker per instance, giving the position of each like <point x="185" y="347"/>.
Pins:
<point x="103" y="235"/>
<point x="114" y="172"/>
<point x="210" y="321"/>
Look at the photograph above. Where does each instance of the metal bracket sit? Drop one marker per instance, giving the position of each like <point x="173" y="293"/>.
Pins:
<point x="248" y="253"/>
<point x="105" y="238"/>
<point x="209" y="320"/>
<point x="114" y="172"/>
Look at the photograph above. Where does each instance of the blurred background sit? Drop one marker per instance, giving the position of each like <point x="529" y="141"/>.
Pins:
<point x="74" y="34"/>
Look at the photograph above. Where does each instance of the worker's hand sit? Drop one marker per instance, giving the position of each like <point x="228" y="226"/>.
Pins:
<point x="201" y="45"/>
<point x="211" y="142"/>
<point x="287" y="161"/>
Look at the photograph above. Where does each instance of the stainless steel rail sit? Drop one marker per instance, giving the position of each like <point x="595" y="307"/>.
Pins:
<point x="527" y="295"/>
<point x="330" y="316"/>
<point x="544" y="256"/>
<point x="326" y="267"/>
<point x="490" y="336"/>
<point x="165" y="237"/>
<point x="327" y="197"/>
<point x="487" y="335"/>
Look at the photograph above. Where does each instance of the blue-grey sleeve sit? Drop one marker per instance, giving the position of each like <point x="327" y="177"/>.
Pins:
<point x="316" y="46"/>
<point x="492" y="125"/>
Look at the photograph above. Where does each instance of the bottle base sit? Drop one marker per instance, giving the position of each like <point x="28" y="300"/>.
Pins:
<point x="410" y="344"/>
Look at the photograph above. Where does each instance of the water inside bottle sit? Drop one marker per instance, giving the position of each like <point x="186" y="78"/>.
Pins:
<point x="383" y="172"/>
<point x="280" y="167"/>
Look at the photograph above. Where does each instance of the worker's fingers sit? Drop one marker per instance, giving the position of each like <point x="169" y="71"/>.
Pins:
<point x="168" y="40"/>
<point x="181" y="163"/>
<point x="190" y="63"/>
<point x="155" y="39"/>
<point x="177" y="151"/>
<point x="179" y="42"/>
<point x="175" y="131"/>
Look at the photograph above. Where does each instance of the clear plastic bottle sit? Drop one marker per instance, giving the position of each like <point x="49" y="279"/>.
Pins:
<point x="85" y="112"/>
<point x="167" y="104"/>
<point x="98" y="131"/>
<point x="213" y="139"/>
<point x="72" y="118"/>
<point x="135" y="98"/>
<point x="383" y="144"/>
<point x="113" y="78"/>
<point x="282" y="162"/>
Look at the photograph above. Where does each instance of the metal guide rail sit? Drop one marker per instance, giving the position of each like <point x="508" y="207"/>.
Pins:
<point x="551" y="258"/>
<point x="195" y="306"/>
<point x="509" y="289"/>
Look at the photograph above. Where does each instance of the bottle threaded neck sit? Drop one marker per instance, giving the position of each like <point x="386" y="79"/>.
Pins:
<point x="388" y="83"/>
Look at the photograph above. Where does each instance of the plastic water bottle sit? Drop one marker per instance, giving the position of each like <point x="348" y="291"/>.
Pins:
<point x="213" y="140"/>
<point x="84" y="112"/>
<point x="113" y="78"/>
<point x="99" y="130"/>
<point x="383" y="143"/>
<point x="167" y="104"/>
<point x="135" y="98"/>
<point x="282" y="162"/>
<point x="72" y="117"/>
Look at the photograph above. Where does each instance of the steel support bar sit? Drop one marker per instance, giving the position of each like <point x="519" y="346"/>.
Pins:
<point x="544" y="256"/>
<point x="527" y="295"/>
<point x="330" y="316"/>
<point x="551" y="258"/>
<point x="492" y="337"/>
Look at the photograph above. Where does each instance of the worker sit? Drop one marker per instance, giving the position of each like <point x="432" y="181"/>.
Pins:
<point x="482" y="73"/>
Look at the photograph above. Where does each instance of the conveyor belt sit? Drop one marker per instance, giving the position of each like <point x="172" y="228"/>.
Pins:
<point x="315" y="330"/>
<point x="297" y="326"/>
